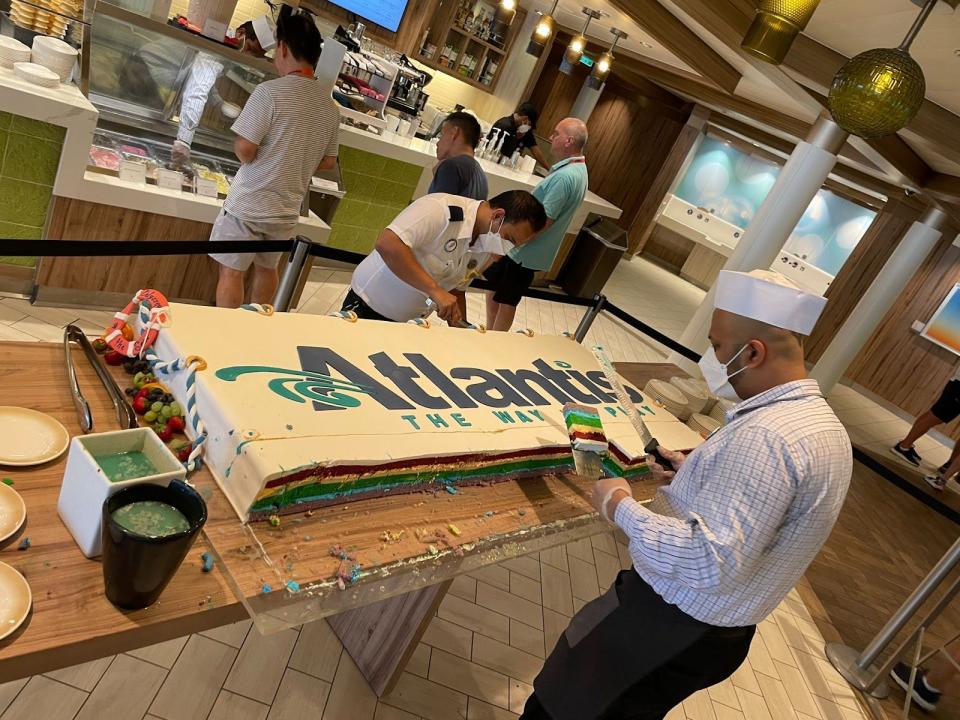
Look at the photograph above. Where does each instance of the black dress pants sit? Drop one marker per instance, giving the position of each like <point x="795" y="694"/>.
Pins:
<point x="633" y="639"/>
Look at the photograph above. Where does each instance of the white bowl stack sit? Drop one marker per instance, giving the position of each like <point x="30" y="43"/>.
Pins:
<point x="703" y="424"/>
<point x="720" y="410"/>
<point x="700" y="399"/>
<point x="670" y="397"/>
<point x="36" y="74"/>
<point x="12" y="51"/>
<point x="55" y="55"/>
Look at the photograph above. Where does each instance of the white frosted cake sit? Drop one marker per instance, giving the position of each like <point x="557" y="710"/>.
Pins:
<point x="305" y="410"/>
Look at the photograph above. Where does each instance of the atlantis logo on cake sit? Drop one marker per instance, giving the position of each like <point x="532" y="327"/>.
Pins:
<point x="501" y="388"/>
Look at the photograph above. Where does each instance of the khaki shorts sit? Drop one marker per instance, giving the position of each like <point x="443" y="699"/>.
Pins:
<point x="228" y="227"/>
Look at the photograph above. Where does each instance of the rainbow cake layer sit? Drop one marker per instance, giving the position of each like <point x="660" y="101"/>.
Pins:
<point x="303" y="411"/>
<point x="585" y="428"/>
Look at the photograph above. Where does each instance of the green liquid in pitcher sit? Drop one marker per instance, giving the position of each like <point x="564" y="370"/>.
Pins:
<point x="151" y="518"/>
<point x="126" y="466"/>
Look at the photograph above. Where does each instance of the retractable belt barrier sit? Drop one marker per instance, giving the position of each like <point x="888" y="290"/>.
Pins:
<point x="300" y="248"/>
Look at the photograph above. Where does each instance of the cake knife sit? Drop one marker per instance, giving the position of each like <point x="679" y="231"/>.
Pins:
<point x="650" y="443"/>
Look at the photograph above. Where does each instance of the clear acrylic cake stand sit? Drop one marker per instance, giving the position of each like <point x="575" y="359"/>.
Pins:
<point x="286" y="575"/>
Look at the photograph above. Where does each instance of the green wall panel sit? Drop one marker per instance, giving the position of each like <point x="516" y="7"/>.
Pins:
<point x="29" y="157"/>
<point x="377" y="188"/>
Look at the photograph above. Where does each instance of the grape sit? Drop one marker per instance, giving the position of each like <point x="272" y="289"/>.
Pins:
<point x="157" y="407"/>
<point x="175" y="408"/>
<point x="166" y="412"/>
<point x="149" y="416"/>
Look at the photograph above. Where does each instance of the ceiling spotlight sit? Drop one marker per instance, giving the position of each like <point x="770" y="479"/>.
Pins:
<point x="508" y="5"/>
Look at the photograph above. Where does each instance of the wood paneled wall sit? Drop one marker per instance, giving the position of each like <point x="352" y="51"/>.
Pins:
<point x="896" y="363"/>
<point x="631" y="134"/>
<point x="870" y="255"/>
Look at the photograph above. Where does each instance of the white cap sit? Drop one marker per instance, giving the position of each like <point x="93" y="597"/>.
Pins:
<point x="770" y="298"/>
<point x="266" y="32"/>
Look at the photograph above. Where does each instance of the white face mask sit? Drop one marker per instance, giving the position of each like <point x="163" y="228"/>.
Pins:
<point x="715" y="373"/>
<point x="492" y="242"/>
<point x="523" y="130"/>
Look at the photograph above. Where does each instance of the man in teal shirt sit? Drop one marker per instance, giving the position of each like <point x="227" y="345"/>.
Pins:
<point x="561" y="193"/>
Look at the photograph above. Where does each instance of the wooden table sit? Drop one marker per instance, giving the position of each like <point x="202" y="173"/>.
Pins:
<point x="405" y="545"/>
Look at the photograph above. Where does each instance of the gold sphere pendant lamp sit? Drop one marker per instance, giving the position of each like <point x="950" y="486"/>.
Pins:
<point x="878" y="92"/>
<point x="601" y="68"/>
<point x="775" y="27"/>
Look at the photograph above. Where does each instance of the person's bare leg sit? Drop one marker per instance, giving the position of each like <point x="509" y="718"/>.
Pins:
<point x="492" y="307"/>
<point x="921" y="427"/>
<point x="941" y="672"/>
<point x="504" y="319"/>
<point x="229" y="288"/>
<point x="264" y="285"/>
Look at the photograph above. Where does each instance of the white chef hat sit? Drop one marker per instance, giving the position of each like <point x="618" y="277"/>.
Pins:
<point x="266" y="32"/>
<point x="770" y="298"/>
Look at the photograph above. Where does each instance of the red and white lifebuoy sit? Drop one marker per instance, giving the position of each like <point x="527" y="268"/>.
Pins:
<point x="153" y="312"/>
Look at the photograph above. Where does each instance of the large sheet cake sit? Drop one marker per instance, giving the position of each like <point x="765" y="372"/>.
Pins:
<point x="306" y="410"/>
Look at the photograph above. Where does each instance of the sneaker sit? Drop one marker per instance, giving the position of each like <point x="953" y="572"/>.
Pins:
<point x="922" y="695"/>
<point x="910" y="454"/>
<point x="943" y="468"/>
<point x="937" y="482"/>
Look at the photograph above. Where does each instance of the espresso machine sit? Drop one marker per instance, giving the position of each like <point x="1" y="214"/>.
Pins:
<point x="407" y="95"/>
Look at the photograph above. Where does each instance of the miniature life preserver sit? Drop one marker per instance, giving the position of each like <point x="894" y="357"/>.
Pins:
<point x="153" y="312"/>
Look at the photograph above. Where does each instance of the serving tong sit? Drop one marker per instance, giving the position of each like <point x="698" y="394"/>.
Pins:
<point x="126" y="417"/>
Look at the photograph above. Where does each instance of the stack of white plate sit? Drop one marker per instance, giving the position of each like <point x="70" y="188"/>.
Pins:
<point x="36" y="74"/>
<point x="670" y="397"/>
<point x="720" y="410"/>
<point x="697" y="393"/>
<point x="703" y="424"/>
<point x="54" y="55"/>
<point x="12" y="51"/>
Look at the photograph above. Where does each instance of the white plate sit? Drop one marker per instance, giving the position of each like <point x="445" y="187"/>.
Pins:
<point x="13" y="512"/>
<point x="28" y="437"/>
<point x="15" y="600"/>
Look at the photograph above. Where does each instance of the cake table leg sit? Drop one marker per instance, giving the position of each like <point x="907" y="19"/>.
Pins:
<point x="381" y="637"/>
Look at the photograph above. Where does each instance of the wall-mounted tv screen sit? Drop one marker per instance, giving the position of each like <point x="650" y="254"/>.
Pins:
<point x="386" y="13"/>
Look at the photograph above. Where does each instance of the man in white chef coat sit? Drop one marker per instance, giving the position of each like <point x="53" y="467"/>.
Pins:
<point x="720" y="546"/>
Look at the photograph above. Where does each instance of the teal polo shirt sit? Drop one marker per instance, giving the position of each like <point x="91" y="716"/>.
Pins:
<point x="561" y="193"/>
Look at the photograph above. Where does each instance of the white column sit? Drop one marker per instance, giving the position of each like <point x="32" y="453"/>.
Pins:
<point x="886" y="287"/>
<point x="586" y="101"/>
<point x="798" y="182"/>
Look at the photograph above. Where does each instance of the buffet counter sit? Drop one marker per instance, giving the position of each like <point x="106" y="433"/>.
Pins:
<point x="383" y="173"/>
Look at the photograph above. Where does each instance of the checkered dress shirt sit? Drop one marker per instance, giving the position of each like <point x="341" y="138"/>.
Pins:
<point x="748" y="511"/>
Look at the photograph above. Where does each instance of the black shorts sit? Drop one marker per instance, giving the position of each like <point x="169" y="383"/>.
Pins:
<point x="947" y="408"/>
<point x="510" y="280"/>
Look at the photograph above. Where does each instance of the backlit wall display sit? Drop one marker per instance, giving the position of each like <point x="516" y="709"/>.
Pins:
<point x="944" y="327"/>
<point x="732" y="185"/>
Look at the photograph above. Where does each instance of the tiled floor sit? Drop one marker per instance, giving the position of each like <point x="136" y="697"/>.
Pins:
<point x="491" y="632"/>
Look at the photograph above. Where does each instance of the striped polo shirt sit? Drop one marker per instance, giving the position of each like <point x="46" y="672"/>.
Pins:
<point x="295" y="122"/>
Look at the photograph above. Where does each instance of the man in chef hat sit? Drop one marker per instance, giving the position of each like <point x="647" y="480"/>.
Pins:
<point x="720" y="546"/>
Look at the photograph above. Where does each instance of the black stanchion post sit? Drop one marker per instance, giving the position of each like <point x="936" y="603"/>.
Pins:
<point x="589" y="316"/>
<point x="292" y="273"/>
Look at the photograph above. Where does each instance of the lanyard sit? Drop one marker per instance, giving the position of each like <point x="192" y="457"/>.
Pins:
<point x="301" y="71"/>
